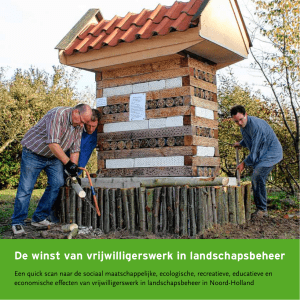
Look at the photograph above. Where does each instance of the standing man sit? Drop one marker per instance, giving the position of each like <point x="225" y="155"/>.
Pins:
<point x="44" y="147"/>
<point x="265" y="152"/>
<point x="88" y="139"/>
<point x="87" y="145"/>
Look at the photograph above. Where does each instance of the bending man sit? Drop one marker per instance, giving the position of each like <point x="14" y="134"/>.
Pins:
<point x="265" y="152"/>
<point x="44" y="147"/>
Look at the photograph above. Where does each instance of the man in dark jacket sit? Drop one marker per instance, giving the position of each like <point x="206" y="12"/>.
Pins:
<point x="265" y="153"/>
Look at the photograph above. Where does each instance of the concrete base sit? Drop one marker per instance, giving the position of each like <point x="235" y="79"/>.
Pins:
<point x="135" y="182"/>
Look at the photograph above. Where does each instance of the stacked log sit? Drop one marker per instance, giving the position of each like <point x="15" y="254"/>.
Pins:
<point x="180" y="210"/>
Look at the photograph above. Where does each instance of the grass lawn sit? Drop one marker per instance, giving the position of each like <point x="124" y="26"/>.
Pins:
<point x="7" y="198"/>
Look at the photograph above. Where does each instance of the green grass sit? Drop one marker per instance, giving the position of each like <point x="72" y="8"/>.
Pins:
<point x="7" y="198"/>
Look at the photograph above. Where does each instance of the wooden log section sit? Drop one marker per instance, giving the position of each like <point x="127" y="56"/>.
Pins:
<point x="106" y="220"/>
<point x="142" y="210"/>
<point x="240" y="207"/>
<point x="112" y="209"/>
<point x="126" y="208"/>
<point x="170" y="208"/>
<point x="157" y="192"/>
<point x="63" y="196"/>
<point x="177" y="210"/>
<point x="183" y="211"/>
<point x="192" y="212"/>
<point x="232" y="205"/>
<point x="163" y="220"/>
<point x="184" y="181"/>
<point x="100" y="205"/>
<point x="247" y="200"/>
<point x="119" y="209"/>
<point x="149" y="208"/>
<point x="131" y="210"/>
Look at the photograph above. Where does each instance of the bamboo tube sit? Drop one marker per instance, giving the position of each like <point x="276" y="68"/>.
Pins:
<point x="67" y="205"/>
<point x="225" y="204"/>
<point x="247" y="201"/>
<point x="231" y="205"/>
<point x="183" y="209"/>
<point x="191" y="200"/>
<point x="126" y="208"/>
<point x="131" y="210"/>
<point x="201" y="210"/>
<point x="112" y="209"/>
<point x="181" y="181"/>
<point x="240" y="205"/>
<point x="63" y="205"/>
<point x="164" y="219"/>
<point x="106" y="225"/>
<point x="149" y="208"/>
<point x="100" y="205"/>
<point x="142" y="213"/>
<point x="170" y="209"/>
<point x="156" y="208"/>
<point x="214" y="205"/>
<point x="209" y="208"/>
<point x="120" y="220"/>
<point x="176" y="209"/>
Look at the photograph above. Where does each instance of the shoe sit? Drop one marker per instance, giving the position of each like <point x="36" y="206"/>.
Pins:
<point x="18" y="229"/>
<point x="43" y="223"/>
<point x="259" y="214"/>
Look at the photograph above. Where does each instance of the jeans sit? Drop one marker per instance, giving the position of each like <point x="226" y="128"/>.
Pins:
<point x="31" y="166"/>
<point x="259" y="178"/>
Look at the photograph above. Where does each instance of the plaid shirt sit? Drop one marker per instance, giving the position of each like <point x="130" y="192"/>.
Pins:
<point x="55" y="127"/>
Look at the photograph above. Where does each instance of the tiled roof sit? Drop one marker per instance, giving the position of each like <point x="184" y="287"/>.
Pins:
<point x="160" y="21"/>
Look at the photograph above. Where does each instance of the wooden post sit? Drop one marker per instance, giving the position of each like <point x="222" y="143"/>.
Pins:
<point x="209" y="208"/>
<point x="106" y="211"/>
<point x="201" y="210"/>
<point x="214" y="204"/>
<point x="183" y="209"/>
<point x="149" y="208"/>
<point x="240" y="205"/>
<point x="100" y="205"/>
<point x="176" y="209"/>
<point x="63" y="205"/>
<point x="164" y="209"/>
<point x="142" y="212"/>
<point x="120" y="221"/>
<point x="191" y="200"/>
<point x="156" y="208"/>
<point x="131" y="210"/>
<point x="88" y="208"/>
<point x="126" y="208"/>
<point x="225" y="205"/>
<point x="231" y="205"/>
<point x="219" y="203"/>
<point x="112" y="209"/>
<point x="170" y="209"/>
<point x="247" y="201"/>
<point x="79" y="212"/>
<point x="67" y="205"/>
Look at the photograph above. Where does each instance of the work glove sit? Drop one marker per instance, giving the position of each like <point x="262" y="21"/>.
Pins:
<point x="71" y="169"/>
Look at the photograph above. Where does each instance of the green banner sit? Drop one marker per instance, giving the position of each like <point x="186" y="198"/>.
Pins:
<point x="149" y="269"/>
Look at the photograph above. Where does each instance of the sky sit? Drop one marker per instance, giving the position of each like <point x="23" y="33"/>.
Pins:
<point x="31" y="29"/>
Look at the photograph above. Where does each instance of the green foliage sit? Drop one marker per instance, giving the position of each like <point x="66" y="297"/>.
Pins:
<point x="231" y="93"/>
<point x="24" y="100"/>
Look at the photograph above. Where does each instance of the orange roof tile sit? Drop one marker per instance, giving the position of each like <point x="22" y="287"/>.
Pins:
<point x="160" y="21"/>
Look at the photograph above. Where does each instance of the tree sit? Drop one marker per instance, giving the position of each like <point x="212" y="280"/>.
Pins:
<point x="278" y="60"/>
<point x="24" y="100"/>
<point x="231" y="93"/>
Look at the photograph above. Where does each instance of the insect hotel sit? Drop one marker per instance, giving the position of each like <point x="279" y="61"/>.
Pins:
<point x="158" y="155"/>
